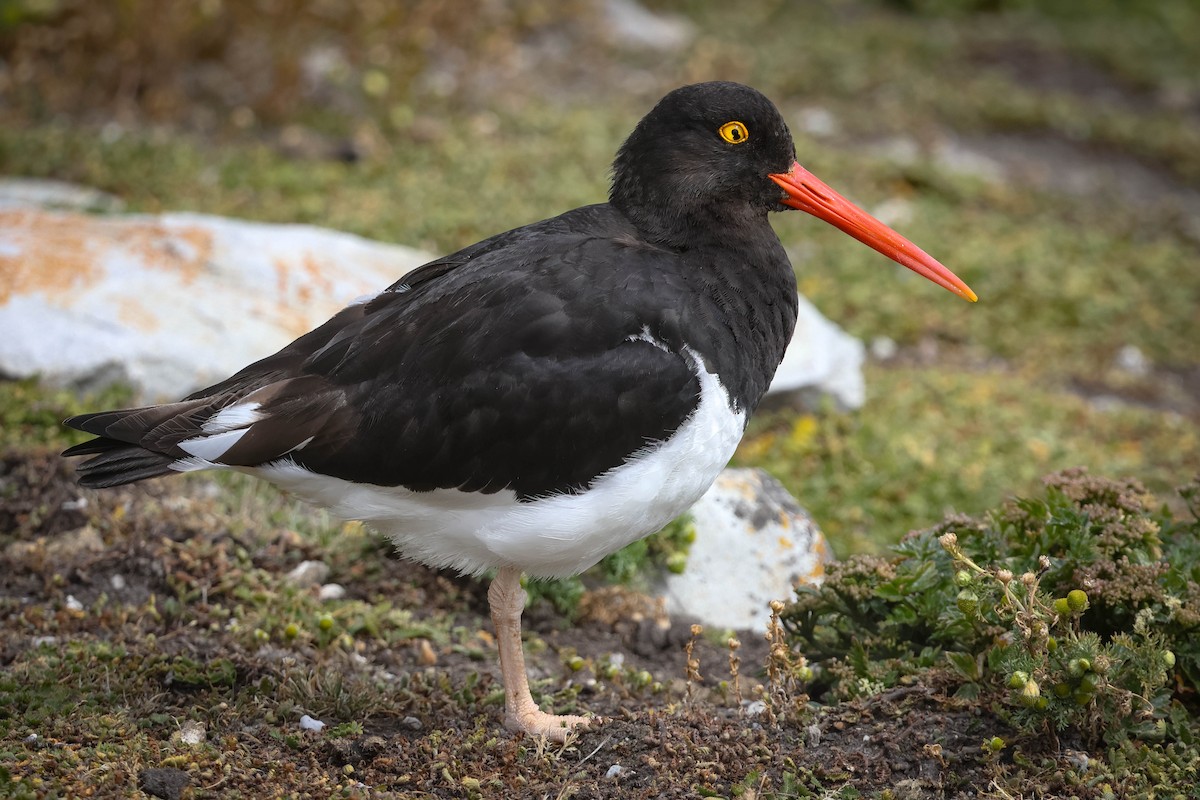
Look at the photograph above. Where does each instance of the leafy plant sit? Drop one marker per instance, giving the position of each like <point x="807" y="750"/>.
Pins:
<point x="1076" y="609"/>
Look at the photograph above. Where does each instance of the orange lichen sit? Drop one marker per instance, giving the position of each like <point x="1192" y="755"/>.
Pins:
<point x="57" y="253"/>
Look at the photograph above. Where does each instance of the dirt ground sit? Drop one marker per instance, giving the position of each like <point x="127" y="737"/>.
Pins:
<point x="120" y="608"/>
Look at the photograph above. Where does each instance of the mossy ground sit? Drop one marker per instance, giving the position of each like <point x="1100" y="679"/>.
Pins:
<point x="976" y="404"/>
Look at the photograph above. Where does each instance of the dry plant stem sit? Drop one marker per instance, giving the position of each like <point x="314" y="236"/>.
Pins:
<point x="778" y="661"/>
<point x="734" y="663"/>
<point x="692" y="668"/>
<point x="507" y="601"/>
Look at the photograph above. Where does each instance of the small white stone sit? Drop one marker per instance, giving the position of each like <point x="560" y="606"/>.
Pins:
<point x="884" y="348"/>
<point x="895" y="211"/>
<point x="191" y="733"/>
<point x="117" y="581"/>
<point x="73" y="604"/>
<point x="78" y="504"/>
<point x="38" y="641"/>
<point x="307" y="723"/>
<point x="1132" y="360"/>
<point x="308" y="573"/>
<point x="614" y="771"/>
<point x="754" y="707"/>
<point x="332" y="591"/>
<point x="817" y="121"/>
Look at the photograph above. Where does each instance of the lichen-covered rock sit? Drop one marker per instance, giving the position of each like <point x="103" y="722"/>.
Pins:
<point x="754" y="544"/>
<point x="168" y="304"/>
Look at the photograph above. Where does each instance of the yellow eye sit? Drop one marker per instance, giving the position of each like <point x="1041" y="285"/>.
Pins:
<point x="734" y="132"/>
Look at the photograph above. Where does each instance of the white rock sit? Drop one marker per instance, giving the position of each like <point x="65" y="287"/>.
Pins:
<point x="754" y="544"/>
<point x="27" y="192"/>
<point x="614" y="771"/>
<point x="171" y="303"/>
<point x="822" y="359"/>
<point x="73" y="604"/>
<point x="191" y="733"/>
<point x="1130" y="359"/>
<point x="884" y="348"/>
<point x="308" y="573"/>
<point x="631" y="24"/>
<point x="332" y="591"/>
<point x="117" y="581"/>
<point x="307" y="723"/>
<point x="817" y="121"/>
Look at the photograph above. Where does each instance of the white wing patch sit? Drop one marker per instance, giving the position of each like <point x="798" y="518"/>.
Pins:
<point x="213" y="446"/>
<point x="218" y="434"/>
<point x="242" y="415"/>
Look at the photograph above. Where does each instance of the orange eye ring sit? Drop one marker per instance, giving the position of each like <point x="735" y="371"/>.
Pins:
<point x="734" y="132"/>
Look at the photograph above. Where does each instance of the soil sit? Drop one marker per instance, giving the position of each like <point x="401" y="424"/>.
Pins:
<point x="429" y="719"/>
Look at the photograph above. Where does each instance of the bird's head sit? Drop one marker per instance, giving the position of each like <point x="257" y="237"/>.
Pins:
<point x="712" y="156"/>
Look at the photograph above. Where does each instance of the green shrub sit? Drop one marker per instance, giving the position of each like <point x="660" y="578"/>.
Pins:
<point x="1076" y="609"/>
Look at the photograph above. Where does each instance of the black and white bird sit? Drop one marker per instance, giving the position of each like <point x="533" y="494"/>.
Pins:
<point x="547" y="396"/>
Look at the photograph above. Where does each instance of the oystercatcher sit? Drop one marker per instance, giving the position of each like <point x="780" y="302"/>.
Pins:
<point x="543" y="398"/>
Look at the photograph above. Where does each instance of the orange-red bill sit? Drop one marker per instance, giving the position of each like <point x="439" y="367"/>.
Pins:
<point x="809" y="193"/>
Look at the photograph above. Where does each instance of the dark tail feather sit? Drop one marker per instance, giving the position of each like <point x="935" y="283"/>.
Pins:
<point x="118" y="463"/>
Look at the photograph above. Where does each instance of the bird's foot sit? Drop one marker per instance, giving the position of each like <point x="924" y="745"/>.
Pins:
<point x="554" y="727"/>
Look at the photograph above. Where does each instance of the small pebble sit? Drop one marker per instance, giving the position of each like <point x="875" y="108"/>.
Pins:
<point x="1132" y="360"/>
<point x="884" y="348"/>
<point x="117" y="581"/>
<point x="614" y="771"/>
<point x="191" y="733"/>
<point x="73" y="604"/>
<point x="307" y="723"/>
<point x="412" y="723"/>
<point x="30" y="739"/>
<point x="308" y="573"/>
<point x="332" y="591"/>
<point x="754" y="707"/>
<point x="38" y="641"/>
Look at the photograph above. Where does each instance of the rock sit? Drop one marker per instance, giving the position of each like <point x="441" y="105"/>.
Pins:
<point x="168" y="304"/>
<point x="1132" y="361"/>
<point x="827" y="361"/>
<point x="817" y="121"/>
<point x="884" y="348"/>
<point x="36" y="192"/>
<point x="190" y="733"/>
<point x="331" y="591"/>
<point x="754" y="544"/>
<point x="308" y="573"/>
<point x="307" y="723"/>
<point x="632" y="25"/>
<point x="165" y="782"/>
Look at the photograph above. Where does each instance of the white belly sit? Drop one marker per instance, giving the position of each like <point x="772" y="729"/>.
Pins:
<point x="554" y="536"/>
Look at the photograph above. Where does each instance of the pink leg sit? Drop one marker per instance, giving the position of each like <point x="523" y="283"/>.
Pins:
<point x="507" y="599"/>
